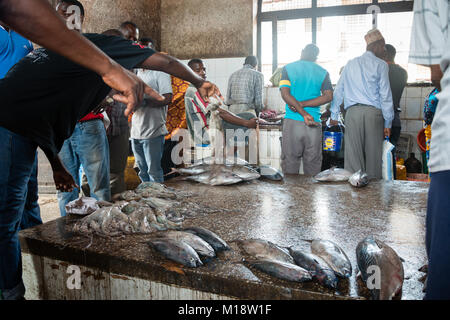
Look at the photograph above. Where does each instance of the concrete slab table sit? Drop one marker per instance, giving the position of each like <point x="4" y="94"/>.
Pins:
<point x="286" y="213"/>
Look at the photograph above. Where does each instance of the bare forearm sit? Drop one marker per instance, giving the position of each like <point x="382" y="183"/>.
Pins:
<point x="319" y="101"/>
<point x="231" y="118"/>
<point x="292" y="102"/>
<point x="38" y="21"/>
<point x="172" y="66"/>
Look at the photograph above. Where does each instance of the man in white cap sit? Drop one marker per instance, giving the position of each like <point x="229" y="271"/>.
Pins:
<point x="365" y="90"/>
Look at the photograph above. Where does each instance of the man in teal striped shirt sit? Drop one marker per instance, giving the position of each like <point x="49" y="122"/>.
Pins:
<point x="305" y="86"/>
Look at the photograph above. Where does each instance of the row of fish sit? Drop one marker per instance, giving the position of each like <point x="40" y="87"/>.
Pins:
<point x="188" y="246"/>
<point x="380" y="267"/>
<point x="325" y="263"/>
<point x="222" y="174"/>
<point x="358" y="179"/>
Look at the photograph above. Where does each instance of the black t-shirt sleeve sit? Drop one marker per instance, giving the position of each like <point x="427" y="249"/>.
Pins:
<point x="326" y="84"/>
<point x="124" y="52"/>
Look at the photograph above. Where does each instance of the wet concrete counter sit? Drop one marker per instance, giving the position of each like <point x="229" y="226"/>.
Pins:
<point x="286" y="213"/>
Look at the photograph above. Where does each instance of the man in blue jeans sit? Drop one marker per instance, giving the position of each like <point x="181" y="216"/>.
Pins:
<point x="88" y="146"/>
<point x="148" y="126"/>
<point x="14" y="47"/>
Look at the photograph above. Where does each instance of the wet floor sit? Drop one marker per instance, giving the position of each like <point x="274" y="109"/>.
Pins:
<point x="287" y="213"/>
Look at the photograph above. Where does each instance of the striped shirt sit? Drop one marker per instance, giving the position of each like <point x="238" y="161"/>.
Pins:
<point x="197" y="117"/>
<point x="246" y="87"/>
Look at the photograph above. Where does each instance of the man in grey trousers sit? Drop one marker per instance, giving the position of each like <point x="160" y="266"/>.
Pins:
<point x="304" y="86"/>
<point x="364" y="88"/>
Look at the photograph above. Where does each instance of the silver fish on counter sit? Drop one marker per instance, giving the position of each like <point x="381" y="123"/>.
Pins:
<point x="194" y="170"/>
<point x="265" y="250"/>
<point x="374" y="255"/>
<point x="333" y="175"/>
<point x="270" y="173"/>
<point x="177" y="251"/>
<point x="201" y="246"/>
<point x="359" y="179"/>
<point x="318" y="268"/>
<point x="334" y="256"/>
<point x="245" y="173"/>
<point x="213" y="239"/>
<point x="216" y="178"/>
<point x="282" y="270"/>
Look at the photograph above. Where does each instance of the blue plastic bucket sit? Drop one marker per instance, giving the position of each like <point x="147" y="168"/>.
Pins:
<point x="332" y="141"/>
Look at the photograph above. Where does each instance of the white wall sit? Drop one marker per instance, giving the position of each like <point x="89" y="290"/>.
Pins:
<point x="219" y="71"/>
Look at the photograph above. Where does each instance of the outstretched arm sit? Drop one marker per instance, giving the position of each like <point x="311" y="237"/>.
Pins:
<point x="231" y="118"/>
<point x="170" y="65"/>
<point x="37" y="21"/>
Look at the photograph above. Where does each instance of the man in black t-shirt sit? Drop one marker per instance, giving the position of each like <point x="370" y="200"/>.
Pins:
<point x="59" y="93"/>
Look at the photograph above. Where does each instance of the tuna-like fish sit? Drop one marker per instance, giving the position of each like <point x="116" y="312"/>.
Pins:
<point x="282" y="270"/>
<point x="333" y="175"/>
<point x="270" y="173"/>
<point x="374" y="255"/>
<point x="359" y="179"/>
<point x="216" y="178"/>
<point x="334" y="256"/>
<point x="201" y="246"/>
<point x="245" y="173"/>
<point x="318" y="268"/>
<point x="265" y="250"/>
<point x="194" y="170"/>
<point x="177" y="251"/>
<point x="213" y="239"/>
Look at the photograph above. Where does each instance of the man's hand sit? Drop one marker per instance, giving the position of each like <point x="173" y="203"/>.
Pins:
<point x="387" y="132"/>
<point x="208" y="89"/>
<point x="131" y="89"/>
<point x="252" y="124"/>
<point x="334" y="123"/>
<point x="64" y="181"/>
<point x="309" y="120"/>
<point x="436" y="76"/>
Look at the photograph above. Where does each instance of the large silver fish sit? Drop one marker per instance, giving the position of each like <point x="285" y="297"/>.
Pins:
<point x="359" y="179"/>
<point x="334" y="256"/>
<point x="213" y="239"/>
<point x="282" y="270"/>
<point x="318" y="268"/>
<point x="245" y="173"/>
<point x="177" y="251"/>
<point x="270" y="173"/>
<point x="333" y="175"/>
<point x="216" y="178"/>
<point x="202" y="247"/>
<point x="265" y="250"/>
<point x="375" y="256"/>
<point x="194" y="170"/>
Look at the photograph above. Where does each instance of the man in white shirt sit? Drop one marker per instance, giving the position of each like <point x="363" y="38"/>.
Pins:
<point x="148" y="126"/>
<point x="430" y="46"/>
<point x="366" y="92"/>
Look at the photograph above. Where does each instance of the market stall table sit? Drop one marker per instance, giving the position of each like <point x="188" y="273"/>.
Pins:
<point x="286" y="213"/>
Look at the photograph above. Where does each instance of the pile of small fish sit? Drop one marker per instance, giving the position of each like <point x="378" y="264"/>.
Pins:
<point x="380" y="268"/>
<point x="358" y="179"/>
<point x="188" y="246"/>
<point x="151" y="207"/>
<point x="223" y="174"/>
<point x="326" y="262"/>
